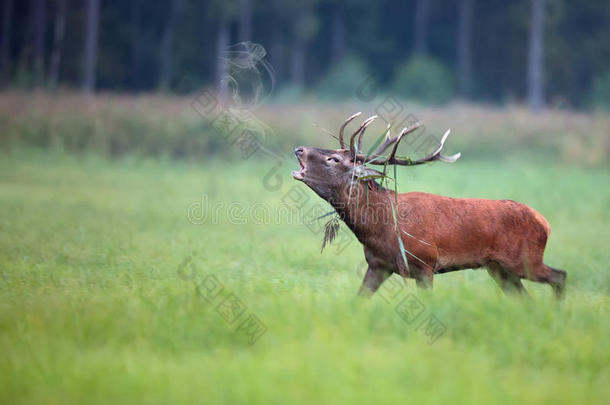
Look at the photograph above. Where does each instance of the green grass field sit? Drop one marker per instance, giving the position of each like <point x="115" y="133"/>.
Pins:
<point x="106" y="291"/>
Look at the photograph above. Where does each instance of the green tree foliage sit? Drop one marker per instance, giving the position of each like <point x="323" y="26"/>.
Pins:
<point x="424" y="79"/>
<point x="308" y="40"/>
<point x="343" y="78"/>
<point x="600" y="93"/>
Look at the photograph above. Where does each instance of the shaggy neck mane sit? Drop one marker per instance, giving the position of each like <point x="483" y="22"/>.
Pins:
<point x="364" y="208"/>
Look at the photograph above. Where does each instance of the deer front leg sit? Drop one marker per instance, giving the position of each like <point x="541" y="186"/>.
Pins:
<point x="424" y="280"/>
<point x="372" y="280"/>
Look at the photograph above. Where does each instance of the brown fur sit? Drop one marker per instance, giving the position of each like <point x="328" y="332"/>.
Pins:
<point x="439" y="234"/>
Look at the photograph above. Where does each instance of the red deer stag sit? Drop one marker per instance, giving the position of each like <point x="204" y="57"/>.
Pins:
<point x="418" y="234"/>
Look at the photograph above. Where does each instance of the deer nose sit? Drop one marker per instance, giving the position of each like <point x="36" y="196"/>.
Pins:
<point x="299" y="151"/>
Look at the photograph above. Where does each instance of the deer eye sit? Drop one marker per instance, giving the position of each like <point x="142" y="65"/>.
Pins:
<point x="333" y="158"/>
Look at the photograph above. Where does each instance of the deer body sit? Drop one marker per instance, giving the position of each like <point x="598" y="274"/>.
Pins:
<point x="439" y="234"/>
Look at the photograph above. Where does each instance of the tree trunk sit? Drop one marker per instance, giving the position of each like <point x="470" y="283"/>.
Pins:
<point x="298" y="63"/>
<point x="338" y="34"/>
<point x="222" y="67"/>
<point x="535" y="97"/>
<point x="464" y="47"/>
<point x="58" y="40"/>
<point x="5" y="57"/>
<point x="277" y="50"/>
<point x="166" y="48"/>
<point x="276" y="53"/>
<point x="245" y="20"/>
<point x="39" y="22"/>
<point x="134" y="51"/>
<point x="422" y="12"/>
<point x="297" y="68"/>
<point x="90" y="51"/>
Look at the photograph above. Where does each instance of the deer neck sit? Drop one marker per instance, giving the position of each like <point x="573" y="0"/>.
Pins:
<point x="365" y="209"/>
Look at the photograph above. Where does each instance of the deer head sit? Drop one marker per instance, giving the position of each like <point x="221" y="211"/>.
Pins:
<point x="329" y="171"/>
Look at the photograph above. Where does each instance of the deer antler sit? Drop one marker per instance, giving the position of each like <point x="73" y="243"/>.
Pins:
<point x="436" y="155"/>
<point x="389" y="141"/>
<point x="352" y="148"/>
<point x="391" y="159"/>
<point x="347" y="121"/>
<point x="377" y="158"/>
<point x="362" y="135"/>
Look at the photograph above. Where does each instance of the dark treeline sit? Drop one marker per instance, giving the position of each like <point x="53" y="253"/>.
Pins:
<point x="554" y="52"/>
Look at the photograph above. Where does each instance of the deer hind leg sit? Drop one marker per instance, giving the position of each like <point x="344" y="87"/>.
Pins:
<point x="372" y="280"/>
<point x="556" y="278"/>
<point x="506" y="280"/>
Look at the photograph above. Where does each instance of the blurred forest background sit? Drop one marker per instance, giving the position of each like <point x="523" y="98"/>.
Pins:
<point x="543" y="52"/>
<point x="110" y="162"/>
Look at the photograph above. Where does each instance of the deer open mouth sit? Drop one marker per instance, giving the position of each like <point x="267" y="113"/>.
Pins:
<point x="299" y="174"/>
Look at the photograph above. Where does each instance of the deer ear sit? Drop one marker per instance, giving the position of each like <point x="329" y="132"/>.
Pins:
<point x="366" y="173"/>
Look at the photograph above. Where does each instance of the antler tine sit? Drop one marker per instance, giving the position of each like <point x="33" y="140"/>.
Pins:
<point x="360" y="131"/>
<point x="350" y="119"/>
<point x="387" y="141"/>
<point x="391" y="159"/>
<point x="376" y="157"/>
<point x="390" y="141"/>
<point x="436" y="155"/>
<point x="362" y="136"/>
<point x="405" y="131"/>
